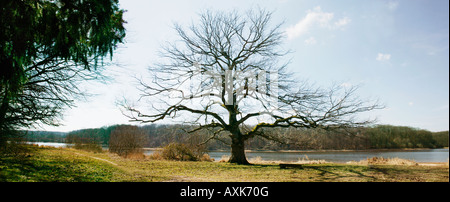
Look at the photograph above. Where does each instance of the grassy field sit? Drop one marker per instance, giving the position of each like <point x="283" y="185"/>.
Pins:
<point x="70" y="165"/>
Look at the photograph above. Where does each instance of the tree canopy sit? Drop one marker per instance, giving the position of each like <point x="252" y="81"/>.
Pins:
<point x="46" y="47"/>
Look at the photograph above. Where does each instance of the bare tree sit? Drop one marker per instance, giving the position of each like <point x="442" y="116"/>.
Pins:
<point x="226" y="76"/>
<point x="126" y="140"/>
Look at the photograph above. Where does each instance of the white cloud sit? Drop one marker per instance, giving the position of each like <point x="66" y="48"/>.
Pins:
<point x="383" y="57"/>
<point x="342" y="22"/>
<point x="314" y="18"/>
<point x="310" y="41"/>
<point x="392" y="5"/>
<point x="410" y="104"/>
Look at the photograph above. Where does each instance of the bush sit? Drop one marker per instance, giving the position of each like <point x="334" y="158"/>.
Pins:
<point x="181" y="152"/>
<point x="127" y="141"/>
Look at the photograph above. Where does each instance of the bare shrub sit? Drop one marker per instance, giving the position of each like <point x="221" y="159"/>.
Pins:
<point x="225" y="158"/>
<point x="384" y="161"/>
<point x="206" y="157"/>
<point x="127" y="141"/>
<point x="181" y="152"/>
<point x="156" y="156"/>
<point x="306" y="160"/>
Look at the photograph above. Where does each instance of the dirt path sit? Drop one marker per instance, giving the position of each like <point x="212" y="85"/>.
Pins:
<point x="108" y="161"/>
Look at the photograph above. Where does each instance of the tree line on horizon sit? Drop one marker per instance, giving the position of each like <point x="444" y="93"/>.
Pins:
<point x="157" y="135"/>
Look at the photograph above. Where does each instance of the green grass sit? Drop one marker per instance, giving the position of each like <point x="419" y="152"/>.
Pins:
<point x="54" y="165"/>
<point x="69" y="165"/>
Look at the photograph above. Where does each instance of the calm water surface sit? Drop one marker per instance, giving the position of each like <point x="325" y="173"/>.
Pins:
<point x="428" y="155"/>
<point x="425" y="155"/>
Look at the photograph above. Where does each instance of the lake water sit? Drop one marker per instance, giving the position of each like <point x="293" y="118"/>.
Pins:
<point x="424" y="155"/>
<point x="427" y="155"/>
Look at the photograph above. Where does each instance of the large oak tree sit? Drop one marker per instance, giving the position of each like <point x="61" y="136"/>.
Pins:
<point x="225" y="74"/>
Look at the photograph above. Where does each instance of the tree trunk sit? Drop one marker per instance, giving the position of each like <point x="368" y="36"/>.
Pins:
<point x="237" y="139"/>
<point x="4" y="127"/>
<point x="238" y="150"/>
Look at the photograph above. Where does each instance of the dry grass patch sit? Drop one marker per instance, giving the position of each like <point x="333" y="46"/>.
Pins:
<point x="302" y="160"/>
<point x="259" y="160"/>
<point x="306" y="160"/>
<point x="385" y="161"/>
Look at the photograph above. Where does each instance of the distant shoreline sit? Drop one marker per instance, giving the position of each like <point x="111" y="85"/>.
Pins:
<point x="290" y="151"/>
<point x="311" y="151"/>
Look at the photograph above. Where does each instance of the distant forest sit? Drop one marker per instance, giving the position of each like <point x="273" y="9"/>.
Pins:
<point x="376" y="137"/>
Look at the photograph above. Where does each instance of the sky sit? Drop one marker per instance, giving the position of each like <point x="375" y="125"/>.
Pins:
<point x="395" y="50"/>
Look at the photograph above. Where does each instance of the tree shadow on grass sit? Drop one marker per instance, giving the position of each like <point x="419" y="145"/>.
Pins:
<point x="46" y="170"/>
<point x="340" y="173"/>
